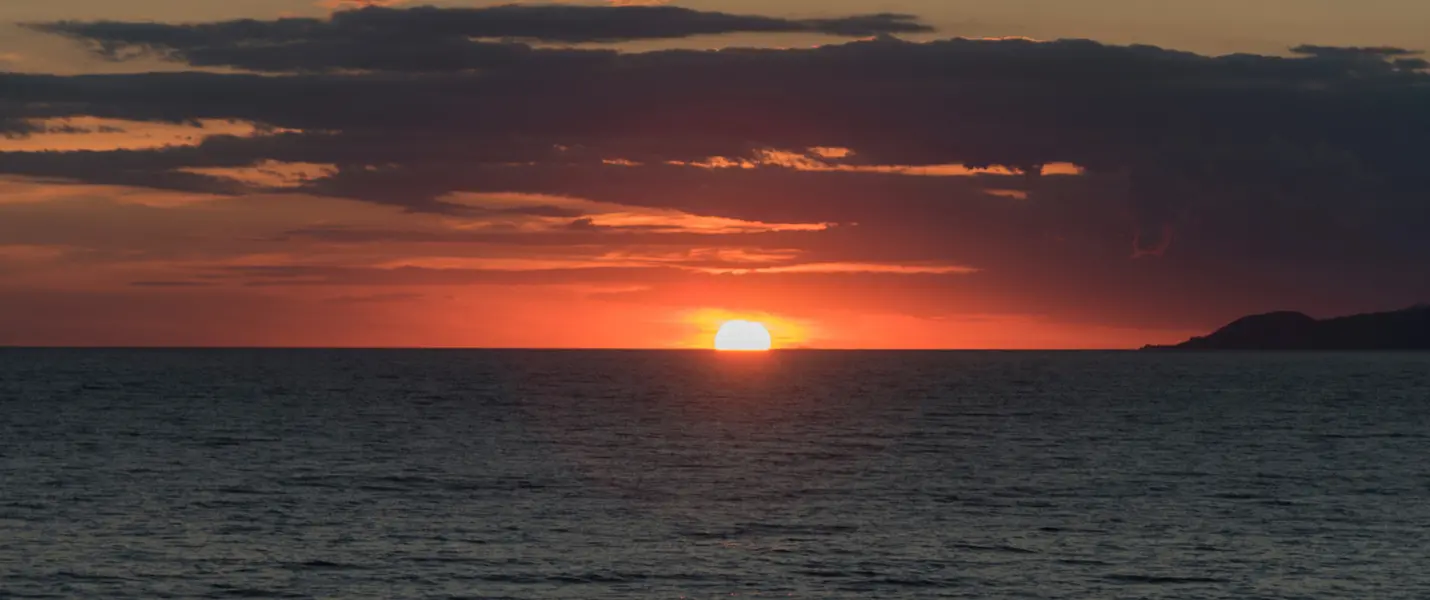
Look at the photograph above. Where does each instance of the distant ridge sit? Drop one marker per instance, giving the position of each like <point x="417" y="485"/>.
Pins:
<point x="1407" y="329"/>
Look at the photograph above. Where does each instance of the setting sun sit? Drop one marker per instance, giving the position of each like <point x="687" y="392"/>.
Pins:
<point x="747" y="336"/>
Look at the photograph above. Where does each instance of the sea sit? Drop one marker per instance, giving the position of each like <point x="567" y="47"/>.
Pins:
<point x="687" y="474"/>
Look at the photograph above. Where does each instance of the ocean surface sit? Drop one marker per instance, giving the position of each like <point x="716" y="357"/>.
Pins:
<point x="592" y="475"/>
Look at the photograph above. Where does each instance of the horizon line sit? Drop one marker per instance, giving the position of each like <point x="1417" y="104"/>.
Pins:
<point x="542" y="348"/>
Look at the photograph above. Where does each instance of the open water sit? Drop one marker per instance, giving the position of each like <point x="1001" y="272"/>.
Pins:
<point x="593" y="475"/>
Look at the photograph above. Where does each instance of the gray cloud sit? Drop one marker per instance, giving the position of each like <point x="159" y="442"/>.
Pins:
<point x="430" y="39"/>
<point x="19" y="127"/>
<point x="1197" y="133"/>
<point x="1246" y="177"/>
<point x="576" y="24"/>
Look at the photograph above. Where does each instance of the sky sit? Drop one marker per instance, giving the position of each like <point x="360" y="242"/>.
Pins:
<point x="852" y="173"/>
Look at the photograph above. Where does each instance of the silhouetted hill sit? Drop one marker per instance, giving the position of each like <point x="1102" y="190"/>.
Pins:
<point x="1407" y="329"/>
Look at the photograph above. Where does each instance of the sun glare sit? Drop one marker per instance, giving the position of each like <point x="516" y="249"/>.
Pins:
<point x="746" y="336"/>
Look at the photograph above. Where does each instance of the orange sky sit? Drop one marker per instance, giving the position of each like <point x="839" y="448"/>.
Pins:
<point x="441" y="204"/>
<point x="130" y="266"/>
<point x="1215" y="26"/>
<point x="146" y="267"/>
<point x="91" y="264"/>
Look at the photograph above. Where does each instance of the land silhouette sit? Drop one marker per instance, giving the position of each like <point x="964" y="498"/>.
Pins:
<point x="1407" y="329"/>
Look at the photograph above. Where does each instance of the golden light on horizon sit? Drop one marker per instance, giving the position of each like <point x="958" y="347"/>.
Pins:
<point x="743" y="336"/>
<point x="701" y="326"/>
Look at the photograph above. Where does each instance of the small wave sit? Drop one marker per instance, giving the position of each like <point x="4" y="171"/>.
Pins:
<point x="1018" y="491"/>
<point x="445" y="560"/>
<point x="71" y="575"/>
<point x="326" y="482"/>
<point x="771" y="528"/>
<point x="861" y="447"/>
<point x="1083" y="561"/>
<point x="789" y="528"/>
<point x="241" y="491"/>
<point x="1366" y="436"/>
<point x="599" y="578"/>
<point x="907" y="582"/>
<point x="1163" y="580"/>
<point x="230" y="441"/>
<point x="227" y="592"/>
<point x="235" y="529"/>
<point x="381" y="488"/>
<point x="1180" y="474"/>
<point x="481" y="598"/>
<point x="819" y="456"/>
<point x="994" y="548"/>
<point x="833" y="574"/>
<point x="511" y="578"/>
<point x="1239" y="496"/>
<point x="8" y="593"/>
<point x="974" y="501"/>
<point x="225" y="504"/>
<point x="322" y="565"/>
<point x="407" y="483"/>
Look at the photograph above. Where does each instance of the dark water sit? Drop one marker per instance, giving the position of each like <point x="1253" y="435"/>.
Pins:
<point x="409" y="474"/>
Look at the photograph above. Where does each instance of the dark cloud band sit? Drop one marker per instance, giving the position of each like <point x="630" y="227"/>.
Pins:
<point x="1227" y="168"/>
<point x="430" y="39"/>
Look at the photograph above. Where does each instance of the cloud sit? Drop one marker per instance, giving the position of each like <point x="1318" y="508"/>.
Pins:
<point x="584" y="24"/>
<point x="348" y="4"/>
<point x="129" y="228"/>
<point x="268" y="175"/>
<point x="1371" y="57"/>
<point x="376" y="37"/>
<point x="532" y="213"/>
<point x="1240" y="122"/>
<point x="1372" y="54"/>
<point x="69" y="134"/>
<point x="1075" y="180"/>
<point x="12" y="128"/>
<point x="853" y="267"/>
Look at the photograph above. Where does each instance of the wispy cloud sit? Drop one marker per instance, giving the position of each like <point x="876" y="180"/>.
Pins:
<point x="351" y="4"/>
<point x="853" y="267"/>
<point x="269" y="174"/>
<point x="527" y="212"/>
<point x="820" y="159"/>
<point x="98" y="134"/>
<point x="478" y="148"/>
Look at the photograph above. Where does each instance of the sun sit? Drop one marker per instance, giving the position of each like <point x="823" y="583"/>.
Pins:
<point x="746" y="336"/>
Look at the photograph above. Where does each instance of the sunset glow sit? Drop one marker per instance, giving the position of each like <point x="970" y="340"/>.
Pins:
<point x="160" y="167"/>
<point x="710" y="298"/>
<point x="743" y="336"/>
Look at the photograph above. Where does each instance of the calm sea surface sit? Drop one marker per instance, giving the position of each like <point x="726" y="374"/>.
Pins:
<point x="415" y="474"/>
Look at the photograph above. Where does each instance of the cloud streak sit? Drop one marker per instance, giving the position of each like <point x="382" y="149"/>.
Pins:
<point x="1077" y="181"/>
<point x="429" y="39"/>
